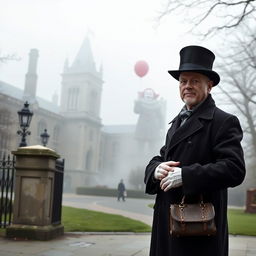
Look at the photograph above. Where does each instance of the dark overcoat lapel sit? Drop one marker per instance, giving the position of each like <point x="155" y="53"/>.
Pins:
<point x="177" y="133"/>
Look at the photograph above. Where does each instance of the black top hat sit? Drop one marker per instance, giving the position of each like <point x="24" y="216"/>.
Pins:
<point x="198" y="59"/>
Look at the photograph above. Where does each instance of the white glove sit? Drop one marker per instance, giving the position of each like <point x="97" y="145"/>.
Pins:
<point x="172" y="180"/>
<point x="160" y="173"/>
<point x="162" y="169"/>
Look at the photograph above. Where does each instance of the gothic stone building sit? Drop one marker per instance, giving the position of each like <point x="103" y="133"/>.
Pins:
<point x="94" y="154"/>
<point x="74" y="126"/>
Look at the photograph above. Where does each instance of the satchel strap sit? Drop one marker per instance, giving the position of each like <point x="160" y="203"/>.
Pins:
<point x="183" y="200"/>
<point x="182" y="205"/>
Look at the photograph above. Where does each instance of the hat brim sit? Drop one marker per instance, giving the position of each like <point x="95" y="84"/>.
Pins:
<point x="212" y="75"/>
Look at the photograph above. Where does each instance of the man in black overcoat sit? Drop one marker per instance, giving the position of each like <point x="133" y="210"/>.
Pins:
<point x="202" y="155"/>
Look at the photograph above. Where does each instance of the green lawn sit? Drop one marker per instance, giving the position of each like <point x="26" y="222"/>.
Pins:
<point x="82" y="220"/>
<point x="75" y="219"/>
<point x="241" y="223"/>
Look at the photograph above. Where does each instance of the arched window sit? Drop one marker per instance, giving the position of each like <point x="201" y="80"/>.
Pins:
<point x="88" y="160"/>
<point x="93" y="107"/>
<point x="91" y="135"/>
<point x="115" y="148"/>
<point x="40" y="127"/>
<point x="56" y="133"/>
<point x="73" y="94"/>
<point x="5" y="129"/>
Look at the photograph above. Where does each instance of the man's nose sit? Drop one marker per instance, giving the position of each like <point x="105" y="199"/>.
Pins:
<point x="188" y="84"/>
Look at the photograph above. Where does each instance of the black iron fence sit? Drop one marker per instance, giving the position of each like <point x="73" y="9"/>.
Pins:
<point x="7" y="172"/>
<point x="58" y="189"/>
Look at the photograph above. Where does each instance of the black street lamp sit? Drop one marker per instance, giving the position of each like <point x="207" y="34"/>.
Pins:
<point x="44" y="137"/>
<point x="25" y="116"/>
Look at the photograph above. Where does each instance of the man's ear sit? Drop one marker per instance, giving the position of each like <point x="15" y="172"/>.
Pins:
<point x="210" y="85"/>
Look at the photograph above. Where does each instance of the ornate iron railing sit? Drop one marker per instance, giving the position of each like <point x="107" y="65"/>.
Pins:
<point x="58" y="190"/>
<point x="7" y="174"/>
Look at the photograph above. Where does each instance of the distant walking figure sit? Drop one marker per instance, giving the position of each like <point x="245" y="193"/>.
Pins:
<point x="121" y="191"/>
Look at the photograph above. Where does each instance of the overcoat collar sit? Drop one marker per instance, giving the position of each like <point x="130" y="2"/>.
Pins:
<point x="177" y="134"/>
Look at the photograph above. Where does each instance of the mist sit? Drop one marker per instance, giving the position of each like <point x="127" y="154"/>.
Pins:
<point x="120" y="34"/>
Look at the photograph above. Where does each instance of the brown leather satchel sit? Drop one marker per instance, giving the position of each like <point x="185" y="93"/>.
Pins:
<point x="192" y="219"/>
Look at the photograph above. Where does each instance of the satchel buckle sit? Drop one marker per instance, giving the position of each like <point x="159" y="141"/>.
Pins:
<point x="202" y="205"/>
<point x="182" y="206"/>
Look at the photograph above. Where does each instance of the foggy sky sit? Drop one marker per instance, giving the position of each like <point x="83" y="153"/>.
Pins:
<point x="121" y="33"/>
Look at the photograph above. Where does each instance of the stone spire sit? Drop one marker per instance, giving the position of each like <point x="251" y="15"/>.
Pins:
<point x="84" y="61"/>
<point x="31" y="77"/>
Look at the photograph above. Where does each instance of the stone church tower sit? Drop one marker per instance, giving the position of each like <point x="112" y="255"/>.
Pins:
<point x="80" y="106"/>
<point x="31" y="78"/>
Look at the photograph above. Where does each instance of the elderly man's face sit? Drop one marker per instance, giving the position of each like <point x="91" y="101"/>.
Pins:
<point x="194" y="88"/>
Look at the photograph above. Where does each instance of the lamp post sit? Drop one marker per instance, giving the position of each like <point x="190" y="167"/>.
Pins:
<point x="44" y="137"/>
<point x="25" y="116"/>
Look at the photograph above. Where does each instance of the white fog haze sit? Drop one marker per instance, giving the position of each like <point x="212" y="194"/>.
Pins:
<point x="106" y="135"/>
<point x="120" y="32"/>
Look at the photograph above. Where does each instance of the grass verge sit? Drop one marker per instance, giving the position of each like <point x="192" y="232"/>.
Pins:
<point x="241" y="223"/>
<point x="83" y="220"/>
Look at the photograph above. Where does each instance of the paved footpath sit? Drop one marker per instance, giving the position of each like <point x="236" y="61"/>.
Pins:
<point x="133" y="208"/>
<point x="80" y="244"/>
<point x="102" y="244"/>
<point x="105" y="244"/>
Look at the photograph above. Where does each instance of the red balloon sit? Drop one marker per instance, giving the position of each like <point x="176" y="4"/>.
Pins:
<point x="141" y="68"/>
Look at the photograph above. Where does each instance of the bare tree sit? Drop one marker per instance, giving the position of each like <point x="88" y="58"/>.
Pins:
<point x="7" y="57"/>
<point x="227" y="14"/>
<point x="238" y="90"/>
<point x="238" y="66"/>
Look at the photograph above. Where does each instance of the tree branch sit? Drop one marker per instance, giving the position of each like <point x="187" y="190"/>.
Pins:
<point x="216" y="6"/>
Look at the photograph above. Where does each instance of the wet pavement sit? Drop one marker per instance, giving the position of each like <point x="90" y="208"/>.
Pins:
<point x="107" y="243"/>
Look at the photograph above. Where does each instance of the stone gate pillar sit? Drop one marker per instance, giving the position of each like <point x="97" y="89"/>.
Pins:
<point x="34" y="186"/>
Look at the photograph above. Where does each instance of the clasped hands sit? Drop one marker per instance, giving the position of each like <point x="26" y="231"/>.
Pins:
<point x="169" y="175"/>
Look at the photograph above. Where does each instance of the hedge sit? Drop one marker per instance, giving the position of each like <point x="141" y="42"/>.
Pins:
<point x="111" y="192"/>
